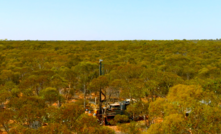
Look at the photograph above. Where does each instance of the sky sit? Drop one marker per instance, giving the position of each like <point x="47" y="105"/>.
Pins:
<point x="110" y="19"/>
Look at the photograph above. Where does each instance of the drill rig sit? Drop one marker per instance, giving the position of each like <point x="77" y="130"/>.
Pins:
<point x="105" y="112"/>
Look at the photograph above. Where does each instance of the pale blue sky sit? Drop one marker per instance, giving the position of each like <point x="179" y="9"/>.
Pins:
<point x="110" y="19"/>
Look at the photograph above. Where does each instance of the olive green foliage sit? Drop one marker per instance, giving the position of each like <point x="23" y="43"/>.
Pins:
<point x="201" y="106"/>
<point x="131" y="128"/>
<point x="121" y="118"/>
<point x="50" y="94"/>
<point x="163" y="79"/>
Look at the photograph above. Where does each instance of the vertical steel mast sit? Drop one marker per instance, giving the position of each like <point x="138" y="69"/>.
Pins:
<point x="102" y="112"/>
<point x="100" y="73"/>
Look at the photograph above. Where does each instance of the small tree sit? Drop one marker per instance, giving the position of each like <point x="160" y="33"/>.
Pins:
<point x="50" y="94"/>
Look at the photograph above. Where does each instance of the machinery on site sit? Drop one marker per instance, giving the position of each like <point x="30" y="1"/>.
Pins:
<point x="106" y="112"/>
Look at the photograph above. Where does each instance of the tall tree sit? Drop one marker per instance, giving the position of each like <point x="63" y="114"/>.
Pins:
<point x="86" y="72"/>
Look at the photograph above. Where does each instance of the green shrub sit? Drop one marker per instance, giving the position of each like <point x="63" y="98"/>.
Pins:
<point x="112" y="122"/>
<point x="121" y="118"/>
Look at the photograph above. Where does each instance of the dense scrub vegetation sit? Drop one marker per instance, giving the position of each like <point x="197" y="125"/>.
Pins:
<point x="167" y="78"/>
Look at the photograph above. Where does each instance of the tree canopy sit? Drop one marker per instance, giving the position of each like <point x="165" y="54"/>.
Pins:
<point x="176" y="84"/>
